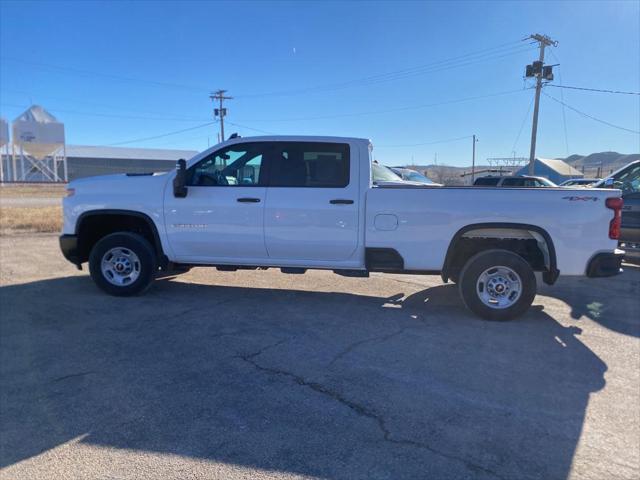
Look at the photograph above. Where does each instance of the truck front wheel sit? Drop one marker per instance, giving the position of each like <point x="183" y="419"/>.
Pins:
<point x="123" y="264"/>
<point x="497" y="285"/>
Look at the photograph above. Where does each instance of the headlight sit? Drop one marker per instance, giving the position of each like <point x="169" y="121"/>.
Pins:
<point x="71" y="192"/>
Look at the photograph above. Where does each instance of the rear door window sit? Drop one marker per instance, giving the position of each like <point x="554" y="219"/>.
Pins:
<point x="310" y="165"/>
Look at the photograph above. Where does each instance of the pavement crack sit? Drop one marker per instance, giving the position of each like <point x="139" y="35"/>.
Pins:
<point x="73" y="375"/>
<point x="249" y="357"/>
<point x="359" y="409"/>
<point x="354" y="345"/>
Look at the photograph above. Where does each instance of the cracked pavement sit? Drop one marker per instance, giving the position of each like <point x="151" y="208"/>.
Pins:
<point x="265" y="375"/>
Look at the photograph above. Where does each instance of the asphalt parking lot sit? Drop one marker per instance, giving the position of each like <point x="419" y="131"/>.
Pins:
<point x="266" y="375"/>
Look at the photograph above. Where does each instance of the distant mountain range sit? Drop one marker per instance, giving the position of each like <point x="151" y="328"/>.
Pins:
<point x="608" y="161"/>
<point x="602" y="162"/>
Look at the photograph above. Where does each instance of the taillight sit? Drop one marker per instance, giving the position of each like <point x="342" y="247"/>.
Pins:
<point x="615" y="204"/>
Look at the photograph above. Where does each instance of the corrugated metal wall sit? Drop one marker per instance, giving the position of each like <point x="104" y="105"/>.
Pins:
<point x="90" y="167"/>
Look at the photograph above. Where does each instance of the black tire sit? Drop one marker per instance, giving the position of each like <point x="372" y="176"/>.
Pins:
<point x="484" y="261"/>
<point x="147" y="266"/>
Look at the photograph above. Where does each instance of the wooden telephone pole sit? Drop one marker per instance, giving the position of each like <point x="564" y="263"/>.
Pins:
<point x="473" y="161"/>
<point x="540" y="72"/>
<point x="220" y="111"/>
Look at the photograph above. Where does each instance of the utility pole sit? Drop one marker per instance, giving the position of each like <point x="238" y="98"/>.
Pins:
<point x="220" y="111"/>
<point x="540" y="72"/>
<point x="473" y="161"/>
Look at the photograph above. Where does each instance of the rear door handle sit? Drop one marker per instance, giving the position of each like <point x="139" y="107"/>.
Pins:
<point x="248" y="200"/>
<point x="340" y="201"/>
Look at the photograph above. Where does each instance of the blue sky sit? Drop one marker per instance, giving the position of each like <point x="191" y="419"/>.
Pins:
<point x="120" y="71"/>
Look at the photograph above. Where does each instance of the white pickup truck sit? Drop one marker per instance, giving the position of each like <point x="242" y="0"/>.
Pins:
<point x="299" y="203"/>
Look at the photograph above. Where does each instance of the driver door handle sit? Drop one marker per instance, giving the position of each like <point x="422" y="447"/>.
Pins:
<point x="248" y="200"/>
<point x="340" y="201"/>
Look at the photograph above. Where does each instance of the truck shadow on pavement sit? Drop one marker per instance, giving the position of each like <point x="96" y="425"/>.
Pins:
<point x="612" y="302"/>
<point x="334" y="385"/>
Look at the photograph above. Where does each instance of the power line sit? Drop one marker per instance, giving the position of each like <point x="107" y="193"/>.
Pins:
<point x="591" y="116"/>
<point x="593" y="89"/>
<point x="564" y="109"/>
<point x="524" y="120"/>
<point x="397" y="109"/>
<point x="425" y="143"/>
<point x="374" y="81"/>
<point x="432" y="67"/>
<point x="250" y="128"/>
<point x="498" y="51"/>
<point x="320" y="117"/>
<point x="84" y="102"/>
<point x="100" y="74"/>
<point x="138" y="140"/>
<point x="110" y="115"/>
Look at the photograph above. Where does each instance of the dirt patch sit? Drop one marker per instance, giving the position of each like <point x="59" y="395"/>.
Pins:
<point x="8" y="190"/>
<point x="30" y="219"/>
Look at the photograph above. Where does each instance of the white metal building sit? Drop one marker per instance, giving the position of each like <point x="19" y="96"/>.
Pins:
<point x="88" y="161"/>
<point x="555" y="170"/>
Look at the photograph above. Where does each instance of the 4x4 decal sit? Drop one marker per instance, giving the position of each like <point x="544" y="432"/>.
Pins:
<point x="580" y="199"/>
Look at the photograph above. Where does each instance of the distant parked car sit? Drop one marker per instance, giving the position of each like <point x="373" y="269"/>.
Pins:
<point x="383" y="174"/>
<point x="515" y="181"/>
<point x="411" y="175"/>
<point x="579" y="182"/>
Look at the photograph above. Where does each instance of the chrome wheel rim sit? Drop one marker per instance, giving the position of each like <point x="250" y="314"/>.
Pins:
<point x="499" y="287"/>
<point x="120" y="266"/>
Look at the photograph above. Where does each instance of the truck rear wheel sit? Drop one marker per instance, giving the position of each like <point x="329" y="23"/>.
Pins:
<point x="497" y="285"/>
<point x="122" y="264"/>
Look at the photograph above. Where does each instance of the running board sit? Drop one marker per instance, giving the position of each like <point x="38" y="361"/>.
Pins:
<point x="293" y="270"/>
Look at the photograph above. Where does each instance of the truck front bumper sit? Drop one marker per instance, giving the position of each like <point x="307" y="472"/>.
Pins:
<point x="69" y="247"/>
<point x="606" y="264"/>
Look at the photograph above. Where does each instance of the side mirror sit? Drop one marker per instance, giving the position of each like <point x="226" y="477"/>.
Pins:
<point x="608" y="182"/>
<point x="180" y="181"/>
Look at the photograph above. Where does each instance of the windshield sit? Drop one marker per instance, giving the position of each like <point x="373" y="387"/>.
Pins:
<point x="543" y="182"/>
<point x="381" y="173"/>
<point x="629" y="180"/>
<point x="418" y="177"/>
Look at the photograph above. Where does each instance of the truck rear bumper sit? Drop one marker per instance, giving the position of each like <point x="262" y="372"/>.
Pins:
<point x="605" y="264"/>
<point x="69" y="247"/>
<point x="631" y="251"/>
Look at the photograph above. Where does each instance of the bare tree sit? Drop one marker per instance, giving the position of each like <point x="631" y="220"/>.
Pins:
<point x="449" y="176"/>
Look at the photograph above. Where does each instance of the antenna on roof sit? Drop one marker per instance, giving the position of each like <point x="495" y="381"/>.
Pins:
<point x="234" y="135"/>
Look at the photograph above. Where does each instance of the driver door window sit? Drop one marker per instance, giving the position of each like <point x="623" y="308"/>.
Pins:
<point x="238" y="165"/>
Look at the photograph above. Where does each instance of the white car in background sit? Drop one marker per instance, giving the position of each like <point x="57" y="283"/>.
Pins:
<point x="580" y="182"/>
<point x="411" y="175"/>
